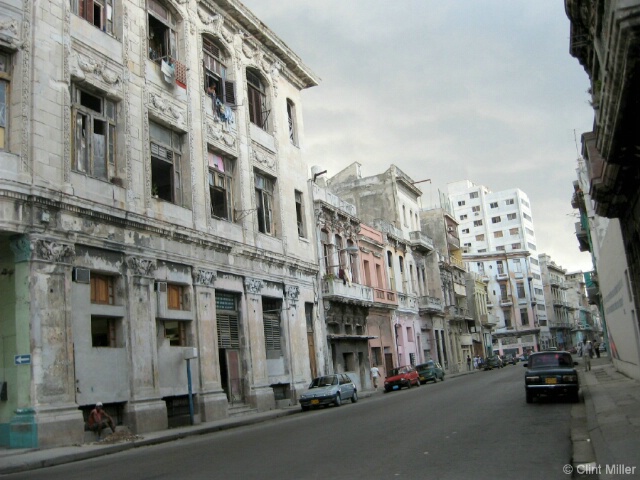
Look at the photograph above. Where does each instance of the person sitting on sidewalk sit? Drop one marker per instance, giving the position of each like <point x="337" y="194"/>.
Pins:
<point x="99" y="419"/>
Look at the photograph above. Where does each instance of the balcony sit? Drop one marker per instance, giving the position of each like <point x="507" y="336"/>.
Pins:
<point x="354" y="293"/>
<point x="583" y="237"/>
<point x="501" y="276"/>
<point x="560" y="325"/>
<point x="450" y="260"/>
<point x="506" y="302"/>
<point x="421" y="242"/>
<point x="385" y="296"/>
<point x="458" y="313"/>
<point x="488" y="321"/>
<point x="453" y="240"/>
<point x="407" y="302"/>
<point x="430" y="304"/>
<point x="557" y="302"/>
<point x="593" y="293"/>
<point x="323" y="195"/>
<point x="485" y="278"/>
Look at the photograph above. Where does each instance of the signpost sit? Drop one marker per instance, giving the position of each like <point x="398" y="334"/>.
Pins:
<point x="24" y="359"/>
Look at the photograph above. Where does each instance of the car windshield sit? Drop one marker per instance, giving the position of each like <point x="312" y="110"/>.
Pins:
<point x="550" y="360"/>
<point x="398" y="371"/>
<point x="324" y="381"/>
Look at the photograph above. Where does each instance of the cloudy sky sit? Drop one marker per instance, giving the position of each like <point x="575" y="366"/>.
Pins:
<point x="446" y="90"/>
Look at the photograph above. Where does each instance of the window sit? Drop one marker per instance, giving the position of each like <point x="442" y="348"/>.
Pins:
<point x="300" y="214"/>
<point x="507" y="319"/>
<point x="94" y="136"/>
<point x="166" y="173"/>
<point x="524" y="316"/>
<point x="500" y="248"/>
<point x="495" y="220"/>
<point x="500" y="267"/>
<point x="271" y="309"/>
<point x="493" y="204"/>
<point x="527" y="217"/>
<point x="531" y="246"/>
<point x="97" y="12"/>
<point x="104" y="331"/>
<point x="534" y="261"/>
<point x="465" y="230"/>
<point x="524" y="202"/>
<point x="221" y="186"/>
<point x="410" y="334"/>
<point x="176" y="297"/>
<point x="480" y="266"/>
<point x="463" y="217"/>
<point x="511" y="216"/>
<point x="258" y="112"/>
<point x="480" y="237"/>
<point x="216" y="83"/>
<point x="461" y="203"/>
<point x="5" y="64"/>
<point x="467" y="244"/>
<point x="102" y="289"/>
<point x="538" y="291"/>
<point x="162" y="33"/>
<point x="176" y="332"/>
<point x="517" y="266"/>
<point x="473" y="195"/>
<point x="516" y="246"/>
<point x="482" y="250"/>
<point x="477" y="223"/>
<point x="475" y="209"/>
<point x="529" y="231"/>
<point x="291" y="121"/>
<point x="264" y="203"/>
<point x="497" y="234"/>
<point x="520" y="290"/>
<point x="509" y="201"/>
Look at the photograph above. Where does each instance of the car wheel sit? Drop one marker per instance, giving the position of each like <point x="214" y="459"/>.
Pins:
<point x="354" y="397"/>
<point x="529" y="397"/>
<point x="409" y="385"/>
<point x="338" y="401"/>
<point x="305" y="408"/>
<point x="418" y="383"/>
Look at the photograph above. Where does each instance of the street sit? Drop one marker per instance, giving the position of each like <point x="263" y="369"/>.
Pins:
<point x="472" y="426"/>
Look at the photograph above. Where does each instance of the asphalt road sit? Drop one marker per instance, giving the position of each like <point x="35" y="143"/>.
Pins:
<point x="470" y="427"/>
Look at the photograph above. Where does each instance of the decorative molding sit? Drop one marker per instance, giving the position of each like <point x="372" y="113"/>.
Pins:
<point x="143" y="267"/>
<point x="26" y="96"/>
<point x="253" y="285"/>
<point x="292" y="292"/>
<point x="205" y="278"/>
<point x="263" y="158"/>
<point x="82" y="65"/>
<point x="217" y="132"/>
<point x="53" y="251"/>
<point x="170" y="111"/>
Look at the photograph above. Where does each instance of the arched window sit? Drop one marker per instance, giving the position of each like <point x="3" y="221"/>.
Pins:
<point x="258" y="111"/>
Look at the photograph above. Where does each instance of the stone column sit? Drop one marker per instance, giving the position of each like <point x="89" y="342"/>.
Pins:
<point x="256" y="387"/>
<point x="43" y="330"/>
<point x="212" y="401"/>
<point x="146" y="411"/>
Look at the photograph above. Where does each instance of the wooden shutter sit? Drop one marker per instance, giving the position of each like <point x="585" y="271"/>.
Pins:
<point x="228" y="335"/>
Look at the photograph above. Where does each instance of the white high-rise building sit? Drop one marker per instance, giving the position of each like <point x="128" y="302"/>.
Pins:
<point x="498" y="240"/>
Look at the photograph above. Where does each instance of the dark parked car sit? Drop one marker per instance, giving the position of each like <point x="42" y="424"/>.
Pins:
<point x="400" y="377"/>
<point x="430" y="371"/>
<point x="492" y="362"/>
<point x="551" y="373"/>
<point x="509" y="360"/>
<point x="327" y="390"/>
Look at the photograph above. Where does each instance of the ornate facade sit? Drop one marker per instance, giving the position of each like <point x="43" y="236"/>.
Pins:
<point x="154" y="201"/>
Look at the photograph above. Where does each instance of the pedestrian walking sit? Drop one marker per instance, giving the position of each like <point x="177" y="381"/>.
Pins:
<point x="596" y="347"/>
<point x="476" y="361"/>
<point x="468" y="363"/>
<point x="587" y="353"/>
<point x="375" y="374"/>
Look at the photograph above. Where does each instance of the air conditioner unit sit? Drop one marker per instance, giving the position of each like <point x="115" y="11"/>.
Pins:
<point x="81" y="275"/>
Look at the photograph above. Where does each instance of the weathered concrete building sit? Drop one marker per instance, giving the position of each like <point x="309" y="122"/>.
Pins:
<point x="604" y="39"/>
<point x="154" y="200"/>
<point x="559" y="309"/>
<point x="389" y="203"/>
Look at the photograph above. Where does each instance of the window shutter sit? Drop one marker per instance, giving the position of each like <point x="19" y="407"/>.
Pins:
<point x="227" y="325"/>
<point x="89" y="11"/>
<point x="229" y="92"/>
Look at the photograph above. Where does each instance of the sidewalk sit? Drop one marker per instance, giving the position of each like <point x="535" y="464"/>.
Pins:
<point x="606" y="427"/>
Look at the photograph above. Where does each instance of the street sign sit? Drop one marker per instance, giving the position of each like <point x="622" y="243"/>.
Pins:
<point x="22" y="359"/>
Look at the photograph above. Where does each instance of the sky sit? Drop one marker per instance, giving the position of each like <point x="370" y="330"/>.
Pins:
<point x="479" y="90"/>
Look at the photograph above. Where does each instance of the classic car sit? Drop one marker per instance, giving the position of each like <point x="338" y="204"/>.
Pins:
<point x="430" y="371"/>
<point x="551" y="373"/>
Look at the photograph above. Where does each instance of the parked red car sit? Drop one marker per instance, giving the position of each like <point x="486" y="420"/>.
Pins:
<point x="400" y="377"/>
